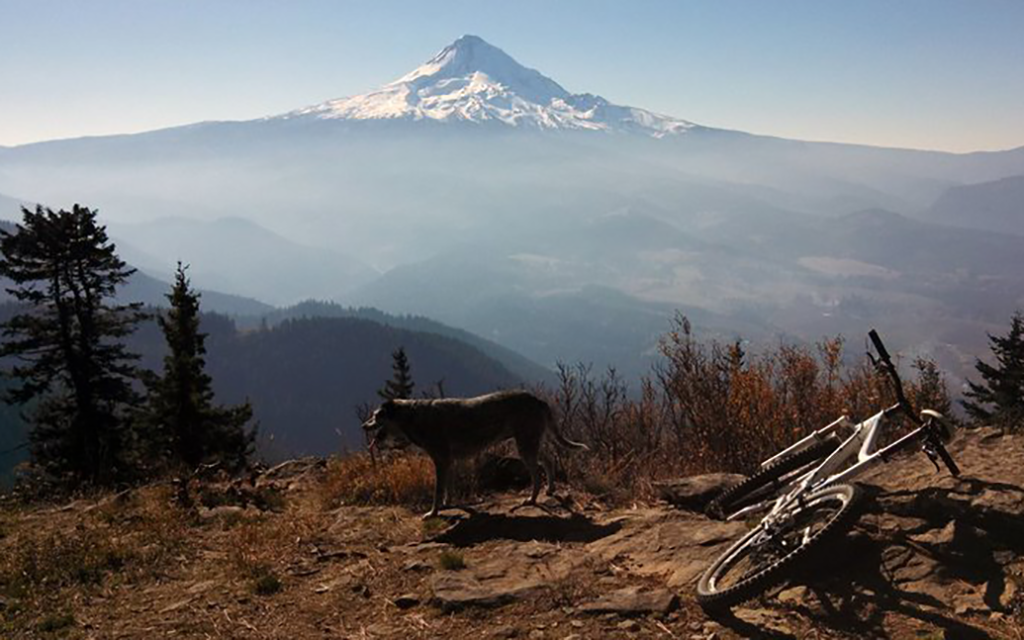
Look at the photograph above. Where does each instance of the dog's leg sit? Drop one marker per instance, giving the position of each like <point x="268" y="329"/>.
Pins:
<point x="530" y="460"/>
<point x="441" y="466"/>
<point x="528" y="445"/>
<point x="549" y="471"/>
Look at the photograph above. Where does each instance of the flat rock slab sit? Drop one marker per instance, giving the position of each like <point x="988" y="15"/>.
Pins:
<point x="675" y="546"/>
<point x="454" y="591"/>
<point x="694" y="493"/>
<point x="510" y="572"/>
<point x="632" y="601"/>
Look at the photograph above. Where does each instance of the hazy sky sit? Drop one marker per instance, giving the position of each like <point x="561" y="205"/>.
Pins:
<point x="932" y="74"/>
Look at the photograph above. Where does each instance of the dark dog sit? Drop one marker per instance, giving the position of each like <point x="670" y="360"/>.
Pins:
<point x="458" y="427"/>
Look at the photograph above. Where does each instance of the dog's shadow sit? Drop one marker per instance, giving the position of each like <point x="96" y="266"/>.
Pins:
<point x="523" y="524"/>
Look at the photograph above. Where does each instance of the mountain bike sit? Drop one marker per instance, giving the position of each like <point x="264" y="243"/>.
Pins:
<point x="803" y="497"/>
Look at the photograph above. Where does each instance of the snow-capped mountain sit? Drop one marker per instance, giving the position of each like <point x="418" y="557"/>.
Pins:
<point x="473" y="81"/>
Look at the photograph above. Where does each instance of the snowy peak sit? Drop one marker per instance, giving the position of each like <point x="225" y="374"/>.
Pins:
<point x="471" y="56"/>
<point x="473" y="81"/>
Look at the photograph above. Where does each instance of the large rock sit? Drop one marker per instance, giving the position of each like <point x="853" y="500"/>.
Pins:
<point x="675" y="546"/>
<point x="694" y="493"/>
<point x="632" y="601"/>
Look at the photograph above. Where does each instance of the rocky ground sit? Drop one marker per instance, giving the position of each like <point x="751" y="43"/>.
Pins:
<point x="932" y="557"/>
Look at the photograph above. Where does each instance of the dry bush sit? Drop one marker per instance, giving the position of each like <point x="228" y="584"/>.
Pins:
<point x="626" y="436"/>
<point x="357" y="479"/>
<point x="734" y="409"/>
<point x="711" y="406"/>
<point x="400" y="478"/>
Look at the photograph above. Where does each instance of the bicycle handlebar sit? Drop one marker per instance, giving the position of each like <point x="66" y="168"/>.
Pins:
<point x="890" y="368"/>
<point x="881" y="348"/>
<point x="933" y="441"/>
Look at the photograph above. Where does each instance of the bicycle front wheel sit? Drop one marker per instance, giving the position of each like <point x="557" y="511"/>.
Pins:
<point x="768" y="553"/>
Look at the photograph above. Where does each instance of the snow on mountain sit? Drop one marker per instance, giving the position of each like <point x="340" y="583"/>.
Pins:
<point x="473" y="81"/>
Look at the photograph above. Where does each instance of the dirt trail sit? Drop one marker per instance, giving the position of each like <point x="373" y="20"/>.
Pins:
<point x="932" y="557"/>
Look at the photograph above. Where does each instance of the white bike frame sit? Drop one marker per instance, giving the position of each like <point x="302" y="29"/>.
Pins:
<point x="861" y="443"/>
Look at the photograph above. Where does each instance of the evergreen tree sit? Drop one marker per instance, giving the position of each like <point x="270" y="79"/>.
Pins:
<point x="400" y="385"/>
<point x="71" y="362"/>
<point x="929" y="391"/>
<point x="180" y="413"/>
<point x="1000" y="399"/>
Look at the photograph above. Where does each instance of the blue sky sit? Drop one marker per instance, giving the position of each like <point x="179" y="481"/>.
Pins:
<point x="931" y="74"/>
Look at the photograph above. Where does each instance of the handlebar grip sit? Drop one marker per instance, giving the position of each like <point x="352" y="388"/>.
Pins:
<point x="879" y="347"/>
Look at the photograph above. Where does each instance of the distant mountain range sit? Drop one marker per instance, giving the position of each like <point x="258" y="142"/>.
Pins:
<point x="994" y="206"/>
<point x="559" y="225"/>
<point x="234" y="254"/>
<point x="522" y="368"/>
<point x="151" y="291"/>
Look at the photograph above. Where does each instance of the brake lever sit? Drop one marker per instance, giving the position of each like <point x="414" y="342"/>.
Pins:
<point x="936" y="451"/>
<point x="933" y="455"/>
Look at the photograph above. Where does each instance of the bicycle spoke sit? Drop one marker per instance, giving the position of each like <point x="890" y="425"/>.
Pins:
<point x="759" y="558"/>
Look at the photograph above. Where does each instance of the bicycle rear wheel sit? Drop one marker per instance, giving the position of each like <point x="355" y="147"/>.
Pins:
<point x="766" y="482"/>
<point x="768" y="553"/>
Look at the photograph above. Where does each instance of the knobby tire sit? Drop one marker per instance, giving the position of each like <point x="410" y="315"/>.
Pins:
<point x="771" y="477"/>
<point x="771" y="571"/>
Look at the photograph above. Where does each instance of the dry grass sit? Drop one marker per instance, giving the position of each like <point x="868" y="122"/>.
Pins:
<point x="357" y="479"/>
<point x="260" y="547"/>
<point x="451" y="560"/>
<point x="120" y="541"/>
<point x="149" y="533"/>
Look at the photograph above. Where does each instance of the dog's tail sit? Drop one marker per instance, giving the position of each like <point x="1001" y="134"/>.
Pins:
<point x="559" y="438"/>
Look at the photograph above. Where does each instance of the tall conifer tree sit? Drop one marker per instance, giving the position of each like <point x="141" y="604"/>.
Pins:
<point x="67" y="345"/>
<point x="180" y="412"/>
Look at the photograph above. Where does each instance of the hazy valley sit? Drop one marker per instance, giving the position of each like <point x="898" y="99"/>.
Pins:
<point x="558" y="225"/>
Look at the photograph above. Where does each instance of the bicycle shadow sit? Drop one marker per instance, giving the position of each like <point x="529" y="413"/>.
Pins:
<point x="923" y="554"/>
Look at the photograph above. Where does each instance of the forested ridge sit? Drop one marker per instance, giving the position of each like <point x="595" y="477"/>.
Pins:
<point x="305" y="376"/>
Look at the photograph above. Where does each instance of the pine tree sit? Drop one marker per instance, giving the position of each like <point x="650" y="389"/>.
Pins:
<point x="1000" y="399"/>
<point x="180" y="414"/>
<point x="400" y="386"/>
<point x="930" y="391"/>
<point x="72" y="367"/>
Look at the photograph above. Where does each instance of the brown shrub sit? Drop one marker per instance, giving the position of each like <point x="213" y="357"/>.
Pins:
<point x="711" y="406"/>
<point x="356" y="479"/>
